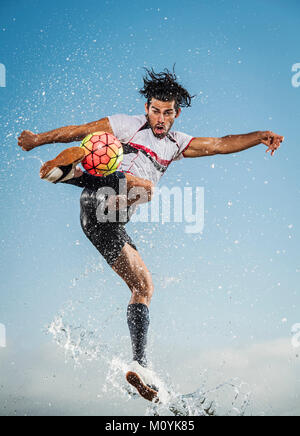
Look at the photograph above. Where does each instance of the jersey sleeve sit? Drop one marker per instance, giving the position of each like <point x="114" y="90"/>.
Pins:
<point x="183" y="140"/>
<point x="125" y="126"/>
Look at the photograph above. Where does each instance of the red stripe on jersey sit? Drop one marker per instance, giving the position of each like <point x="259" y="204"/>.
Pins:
<point x="187" y="146"/>
<point x="152" y="153"/>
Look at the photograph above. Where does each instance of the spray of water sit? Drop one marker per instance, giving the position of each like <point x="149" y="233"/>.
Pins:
<point x="80" y="344"/>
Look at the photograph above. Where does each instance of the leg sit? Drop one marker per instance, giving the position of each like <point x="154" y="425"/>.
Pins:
<point x="122" y="183"/>
<point x="113" y="242"/>
<point x="63" y="169"/>
<point x="131" y="268"/>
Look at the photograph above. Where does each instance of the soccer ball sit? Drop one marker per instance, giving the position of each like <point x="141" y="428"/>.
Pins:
<point x="103" y="154"/>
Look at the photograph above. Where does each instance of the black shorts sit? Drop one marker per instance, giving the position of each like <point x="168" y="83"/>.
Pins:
<point x="108" y="237"/>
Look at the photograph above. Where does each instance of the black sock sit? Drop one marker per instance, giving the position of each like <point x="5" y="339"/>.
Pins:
<point x="138" y="322"/>
<point x="87" y="180"/>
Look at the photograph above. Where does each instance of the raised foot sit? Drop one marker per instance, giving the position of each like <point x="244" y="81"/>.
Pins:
<point x="62" y="168"/>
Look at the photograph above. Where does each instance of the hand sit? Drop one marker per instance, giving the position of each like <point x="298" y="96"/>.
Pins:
<point x="116" y="202"/>
<point x="27" y="140"/>
<point x="272" y="140"/>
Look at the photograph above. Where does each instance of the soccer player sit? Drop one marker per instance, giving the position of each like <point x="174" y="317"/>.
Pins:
<point x="150" y="146"/>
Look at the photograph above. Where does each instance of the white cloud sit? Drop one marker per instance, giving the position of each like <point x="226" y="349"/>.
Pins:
<point x="269" y="371"/>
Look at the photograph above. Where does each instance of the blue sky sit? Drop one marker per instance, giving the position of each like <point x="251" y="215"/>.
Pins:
<point x="232" y="287"/>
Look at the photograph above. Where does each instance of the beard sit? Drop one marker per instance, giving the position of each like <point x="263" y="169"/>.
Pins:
<point x="158" y="130"/>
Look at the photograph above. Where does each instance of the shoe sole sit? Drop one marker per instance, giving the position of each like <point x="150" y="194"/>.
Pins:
<point x="72" y="155"/>
<point x="144" y="390"/>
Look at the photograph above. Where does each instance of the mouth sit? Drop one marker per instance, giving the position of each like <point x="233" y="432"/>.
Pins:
<point x="159" y="130"/>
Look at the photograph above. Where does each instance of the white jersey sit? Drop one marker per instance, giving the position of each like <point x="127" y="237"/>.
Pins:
<point x="145" y="155"/>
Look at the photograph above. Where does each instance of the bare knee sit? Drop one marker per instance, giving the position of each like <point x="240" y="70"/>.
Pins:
<point x="143" y="187"/>
<point x="142" y="291"/>
<point x="131" y="268"/>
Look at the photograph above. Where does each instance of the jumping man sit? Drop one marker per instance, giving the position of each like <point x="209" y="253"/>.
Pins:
<point x="150" y="146"/>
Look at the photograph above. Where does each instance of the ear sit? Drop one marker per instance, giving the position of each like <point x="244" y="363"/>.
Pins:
<point x="146" y="108"/>
<point x="178" y="112"/>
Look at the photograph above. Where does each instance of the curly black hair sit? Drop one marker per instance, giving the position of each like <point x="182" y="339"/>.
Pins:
<point x="165" y="87"/>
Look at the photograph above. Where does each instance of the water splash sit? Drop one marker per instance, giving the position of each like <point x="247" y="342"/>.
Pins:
<point x="35" y="158"/>
<point x="115" y="380"/>
<point x="82" y="342"/>
<point x="227" y="399"/>
<point x="76" y="341"/>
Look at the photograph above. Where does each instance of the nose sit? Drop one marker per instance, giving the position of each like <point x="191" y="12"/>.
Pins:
<point x="161" y="118"/>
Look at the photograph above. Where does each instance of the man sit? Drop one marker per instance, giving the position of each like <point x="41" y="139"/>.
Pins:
<point x="149" y="148"/>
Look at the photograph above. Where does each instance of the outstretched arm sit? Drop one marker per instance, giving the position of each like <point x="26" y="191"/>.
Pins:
<point x="233" y="143"/>
<point x="28" y="140"/>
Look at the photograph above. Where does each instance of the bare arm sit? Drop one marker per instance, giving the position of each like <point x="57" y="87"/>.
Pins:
<point x="28" y="140"/>
<point x="233" y="143"/>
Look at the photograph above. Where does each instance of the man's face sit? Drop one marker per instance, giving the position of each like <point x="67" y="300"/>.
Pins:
<point x="161" y="116"/>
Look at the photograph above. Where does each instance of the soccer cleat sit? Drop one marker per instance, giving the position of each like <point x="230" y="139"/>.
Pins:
<point x="142" y="379"/>
<point x="62" y="168"/>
